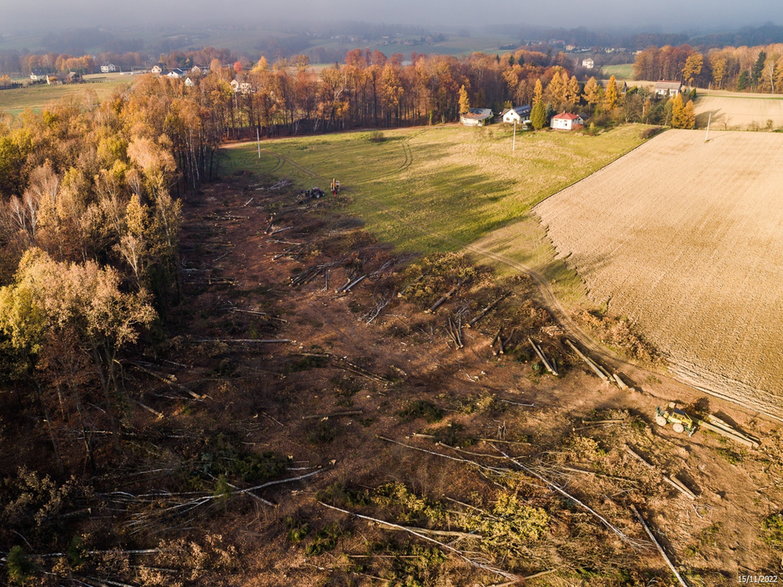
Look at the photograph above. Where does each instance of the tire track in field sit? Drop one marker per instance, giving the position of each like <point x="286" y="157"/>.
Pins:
<point x="550" y="302"/>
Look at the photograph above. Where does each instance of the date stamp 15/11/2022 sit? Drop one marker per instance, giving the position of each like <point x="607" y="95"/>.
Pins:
<point x="751" y="579"/>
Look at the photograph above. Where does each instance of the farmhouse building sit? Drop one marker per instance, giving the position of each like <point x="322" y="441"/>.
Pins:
<point x="476" y="117"/>
<point x="189" y="82"/>
<point x="664" y="88"/>
<point x="567" y="121"/>
<point x="176" y="73"/>
<point x="588" y="63"/>
<point x="517" y="115"/>
<point x="156" y="69"/>
<point x="108" y="68"/>
<point x="38" y="76"/>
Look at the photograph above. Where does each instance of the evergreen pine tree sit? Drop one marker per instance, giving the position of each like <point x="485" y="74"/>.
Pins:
<point x="538" y="113"/>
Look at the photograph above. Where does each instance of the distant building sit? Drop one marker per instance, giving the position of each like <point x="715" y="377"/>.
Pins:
<point x="517" y="115"/>
<point x="73" y="78"/>
<point x="176" y="73"/>
<point x="108" y="68"/>
<point x="38" y="76"/>
<point x="53" y="80"/>
<point x="588" y="63"/>
<point x="157" y="69"/>
<point x="241" y="87"/>
<point x="667" y="88"/>
<point x="567" y="121"/>
<point x="476" y="117"/>
<point x="189" y="82"/>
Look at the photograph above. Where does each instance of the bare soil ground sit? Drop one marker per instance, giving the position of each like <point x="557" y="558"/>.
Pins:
<point x="683" y="237"/>
<point x="343" y="397"/>
<point x="739" y="111"/>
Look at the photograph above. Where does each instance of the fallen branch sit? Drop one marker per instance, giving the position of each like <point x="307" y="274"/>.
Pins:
<point x="444" y="456"/>
<point x="658" y="546"/>
<point x="166" y="380"/>
<point x="417" y="532"/>
<point x="246" y="340"/>
<point x="679" y="486"/>
<point x="487" y="310"/>
<point x="543" y="358"/>
<point x="370" y="316"/>
<point x="444" y="298"/>
<point x="557" y="489"/>
<point x="596" y="368"/>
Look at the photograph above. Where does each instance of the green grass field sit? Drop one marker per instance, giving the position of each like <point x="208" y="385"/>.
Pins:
<point x="36" y="97"/>
<point x="623" y="71"/>
<point x="461" y="183"/>
<point x="447" y="187"/>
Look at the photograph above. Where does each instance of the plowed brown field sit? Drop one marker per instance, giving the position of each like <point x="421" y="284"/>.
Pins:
<point x="686" y="238"/>
<point x="739" y="111"/>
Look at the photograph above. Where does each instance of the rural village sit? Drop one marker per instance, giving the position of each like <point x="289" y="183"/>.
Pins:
<point x="497" y="317"/>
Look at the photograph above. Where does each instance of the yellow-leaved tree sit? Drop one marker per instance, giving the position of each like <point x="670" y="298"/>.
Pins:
<point x="48" y="297"/>
<point x="464" y="100"/>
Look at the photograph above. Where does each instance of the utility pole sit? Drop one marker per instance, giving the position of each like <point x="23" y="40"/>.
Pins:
<point x="258" y="142"/>
<point x="707" y="136"/>
<point x="514" y="139"/>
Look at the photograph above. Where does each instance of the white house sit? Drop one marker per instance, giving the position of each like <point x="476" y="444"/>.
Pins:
<point x="189" y="82"/>
<point x="476" y="117"/>
<point x="241" y="87"/>
<point x="156" y="69"/>
<point x="664" y="88"/>
<point x="567" y="121"/>
<point x="176" y="73"/>
<point x="108" y="68"/>
<point x="37" y="76"/>
<point x="516" y="115"/>
<point x="588" y="63"/>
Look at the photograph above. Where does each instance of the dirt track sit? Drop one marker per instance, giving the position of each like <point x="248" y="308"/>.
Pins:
<point x="684" y="237"/>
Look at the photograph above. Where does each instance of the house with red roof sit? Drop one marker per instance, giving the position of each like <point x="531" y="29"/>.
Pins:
<point x="567" y="121"/>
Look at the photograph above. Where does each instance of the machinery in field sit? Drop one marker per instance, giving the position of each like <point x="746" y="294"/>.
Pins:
<point x="680" y="421"/>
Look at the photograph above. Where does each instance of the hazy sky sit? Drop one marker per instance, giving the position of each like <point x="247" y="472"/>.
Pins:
<point x="663" y="14"/>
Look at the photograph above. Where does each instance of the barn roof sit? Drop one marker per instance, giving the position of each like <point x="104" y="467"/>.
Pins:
<point x="478" y="113"/>
<point x="667" y="85"/>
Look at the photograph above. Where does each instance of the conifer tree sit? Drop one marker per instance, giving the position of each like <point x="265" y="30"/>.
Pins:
<point x="464" y="101"/>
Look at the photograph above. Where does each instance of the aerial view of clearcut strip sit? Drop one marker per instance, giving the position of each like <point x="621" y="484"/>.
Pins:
<point x="684" y="237"/>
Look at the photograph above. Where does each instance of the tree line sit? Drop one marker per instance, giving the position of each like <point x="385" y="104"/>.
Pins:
<point x="756" y="69"/>
<point x="89" y="224"/>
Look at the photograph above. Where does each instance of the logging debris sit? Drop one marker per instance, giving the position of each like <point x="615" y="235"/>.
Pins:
<point x="544" y="360"/>
<point x="657" y="544"/>
<point x="487" y="309"/>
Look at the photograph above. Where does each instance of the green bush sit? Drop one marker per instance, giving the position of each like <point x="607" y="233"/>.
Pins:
<point x="421" y="409"/>
<point x="773" y="527"/>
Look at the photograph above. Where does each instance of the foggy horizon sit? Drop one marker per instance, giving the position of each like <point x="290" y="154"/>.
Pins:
<point x="39" y="16"/>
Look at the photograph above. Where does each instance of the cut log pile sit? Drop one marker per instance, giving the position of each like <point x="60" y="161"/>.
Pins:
<point x="715" y="424"/>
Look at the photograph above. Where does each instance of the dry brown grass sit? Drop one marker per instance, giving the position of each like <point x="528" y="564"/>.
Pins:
<point x="684" y="237"/>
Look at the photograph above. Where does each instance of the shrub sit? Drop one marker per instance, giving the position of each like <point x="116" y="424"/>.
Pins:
<point x="421" y="409"/>
<point x="773" y="527"/>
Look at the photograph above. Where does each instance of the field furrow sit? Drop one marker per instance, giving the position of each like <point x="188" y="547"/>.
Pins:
<point x="686" y="238"/>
